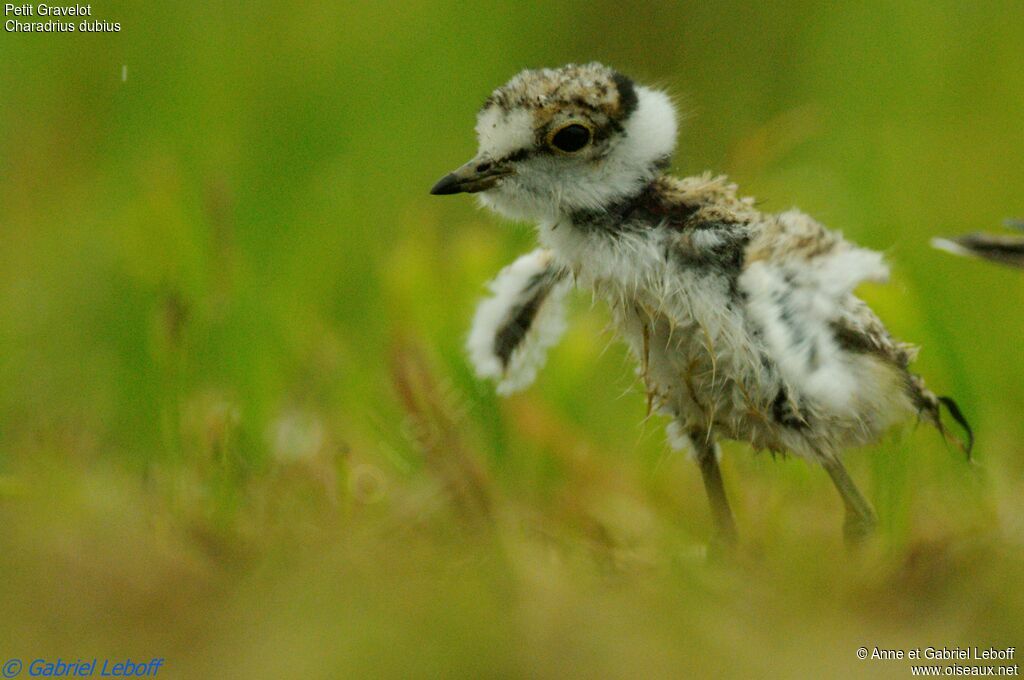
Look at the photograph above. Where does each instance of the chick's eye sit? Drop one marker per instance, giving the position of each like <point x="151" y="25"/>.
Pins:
<point x="571" y="138"/>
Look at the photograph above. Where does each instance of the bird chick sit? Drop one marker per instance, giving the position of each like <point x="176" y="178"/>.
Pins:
<point x="744" y="324"/>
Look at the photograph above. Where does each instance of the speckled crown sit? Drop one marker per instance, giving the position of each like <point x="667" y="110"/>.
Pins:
<point x="590" y="88"/>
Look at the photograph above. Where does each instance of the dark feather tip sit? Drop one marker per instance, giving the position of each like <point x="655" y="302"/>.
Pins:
<point x="958" y="416"/>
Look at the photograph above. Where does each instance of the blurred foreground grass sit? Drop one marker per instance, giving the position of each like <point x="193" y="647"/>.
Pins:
<point x="236" y="426"/>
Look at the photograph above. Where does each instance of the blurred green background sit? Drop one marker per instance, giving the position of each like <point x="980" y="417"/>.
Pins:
<point x="237" y="429"/>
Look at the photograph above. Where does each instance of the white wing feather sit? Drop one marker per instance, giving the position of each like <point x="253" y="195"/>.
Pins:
<point x="799" y="282"/>
<point x="533" y="279"/>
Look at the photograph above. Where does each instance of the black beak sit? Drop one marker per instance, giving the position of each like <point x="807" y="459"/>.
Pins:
<point x="449" y="184"/>
<point x="480" y="174"/>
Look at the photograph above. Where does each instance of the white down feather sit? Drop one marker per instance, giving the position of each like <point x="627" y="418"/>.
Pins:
<point x="815" y="292"/>
<point x="510" y="289"/>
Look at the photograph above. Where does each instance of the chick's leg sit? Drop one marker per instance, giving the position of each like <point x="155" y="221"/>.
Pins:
<point x="707" y="459"/>
<point x="860" y="518"/>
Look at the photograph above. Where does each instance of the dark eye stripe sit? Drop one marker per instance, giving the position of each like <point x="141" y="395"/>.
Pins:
<point x="515" y="156"/>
